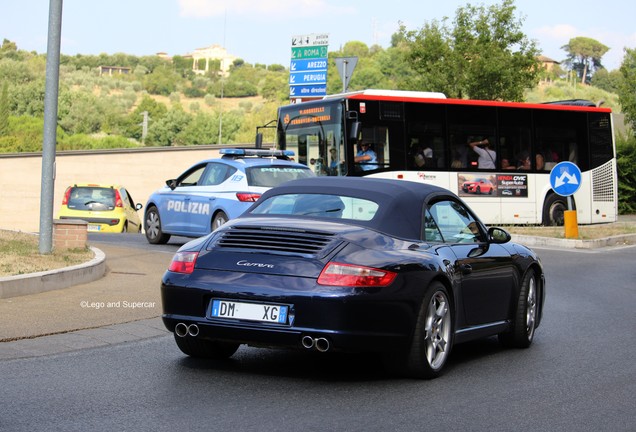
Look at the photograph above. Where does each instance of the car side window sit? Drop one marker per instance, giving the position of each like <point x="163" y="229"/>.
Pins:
<point x="129" y="198"/>
<point x="192" y="177"/>
<point x="215" y="174"/>
<point x="454" y="222"/>
<point x="431" y="230"/>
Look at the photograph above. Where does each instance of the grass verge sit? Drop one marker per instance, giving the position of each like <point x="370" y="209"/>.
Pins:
<point x="19" y="254"/>
<point x="586" y="232"/>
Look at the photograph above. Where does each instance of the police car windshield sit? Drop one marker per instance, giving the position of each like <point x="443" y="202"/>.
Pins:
<point x="271" y="176"/>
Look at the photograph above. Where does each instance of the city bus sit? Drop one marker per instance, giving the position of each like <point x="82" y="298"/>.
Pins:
<point x="426" y="137"/>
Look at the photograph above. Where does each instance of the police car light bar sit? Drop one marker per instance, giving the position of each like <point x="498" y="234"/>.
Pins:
<point x="255" y="152"/>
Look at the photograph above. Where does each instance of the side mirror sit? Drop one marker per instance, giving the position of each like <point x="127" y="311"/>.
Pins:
<point x="498" y="235"/>
<point x="139" y="206"/>
<point x="259" y="140"/>
<point x="172" y="184"/>
<point x="354" y="129"/>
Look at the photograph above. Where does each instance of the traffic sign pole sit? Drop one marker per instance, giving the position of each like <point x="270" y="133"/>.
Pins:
<point x="565" y="179"/>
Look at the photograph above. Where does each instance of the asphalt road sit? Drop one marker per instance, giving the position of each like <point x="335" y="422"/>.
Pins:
<point x="579" y="375"/>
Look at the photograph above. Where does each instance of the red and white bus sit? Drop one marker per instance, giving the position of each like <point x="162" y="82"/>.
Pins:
<point x="424" y="136"/>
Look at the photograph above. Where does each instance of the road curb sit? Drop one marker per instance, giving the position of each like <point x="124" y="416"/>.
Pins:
<point x="619" y="240"/>
<point x="34" y="283"/>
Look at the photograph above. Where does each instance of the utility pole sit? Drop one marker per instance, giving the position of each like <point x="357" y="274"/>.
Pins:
<point x="144" y="127"/>
<point x="50" y="126"/>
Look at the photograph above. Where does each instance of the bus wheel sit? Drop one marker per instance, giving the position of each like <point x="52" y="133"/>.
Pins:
<point x="553" y="209"/>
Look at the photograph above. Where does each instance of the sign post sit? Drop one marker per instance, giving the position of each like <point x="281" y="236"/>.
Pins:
<point x="565" y="179"/>
<point x="345" y="66"/>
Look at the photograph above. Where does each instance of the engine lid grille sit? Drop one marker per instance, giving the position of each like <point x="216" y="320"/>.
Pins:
<point x="276" y="240"/>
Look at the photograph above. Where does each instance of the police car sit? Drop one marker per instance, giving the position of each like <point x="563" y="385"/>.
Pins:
<point x="213" y="191"/>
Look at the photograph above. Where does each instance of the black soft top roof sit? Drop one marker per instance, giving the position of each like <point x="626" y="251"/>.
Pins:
<point x="400" y="202"/>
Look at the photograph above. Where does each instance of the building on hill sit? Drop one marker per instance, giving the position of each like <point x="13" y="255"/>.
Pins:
<point x="110" y="70"/>
<point x="211" y="54"/>
<point x="547" y="63"/>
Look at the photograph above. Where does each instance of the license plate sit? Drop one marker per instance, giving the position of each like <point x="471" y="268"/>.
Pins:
<point x="93" y="227"/>
<point x="250" y="311"/>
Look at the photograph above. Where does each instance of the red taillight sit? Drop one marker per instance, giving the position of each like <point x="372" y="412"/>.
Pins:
<point x="356" y="276"/>
<point x="118" y="202"/>
<point x="248" y="197"/>
<point x="67" y="196"/>
<point x="183" y="262"/>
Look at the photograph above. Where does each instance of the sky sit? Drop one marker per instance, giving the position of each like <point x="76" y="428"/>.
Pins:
<point x="261" y="31"/>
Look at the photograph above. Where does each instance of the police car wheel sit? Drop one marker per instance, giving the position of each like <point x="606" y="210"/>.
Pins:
<point x="219" y="219"/>
<point x="154" y="235"/>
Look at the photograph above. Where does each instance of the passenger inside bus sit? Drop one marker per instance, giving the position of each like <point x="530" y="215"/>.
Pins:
<point x="524" y="161"/>
<point x="422" y="156"/>
<point x="487" y="156"/>
<point x="540" y="162"/>
<point x="334" y="163"/>
<point x="506" y="165"/>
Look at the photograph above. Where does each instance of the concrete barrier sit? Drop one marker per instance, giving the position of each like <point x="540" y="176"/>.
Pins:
<point x="140" y="171"/>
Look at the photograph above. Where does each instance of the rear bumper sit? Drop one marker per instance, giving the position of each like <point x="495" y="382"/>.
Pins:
<point x="352" y="319"/>
<point x="96" y="220"/>
<point x="290" y="337"/>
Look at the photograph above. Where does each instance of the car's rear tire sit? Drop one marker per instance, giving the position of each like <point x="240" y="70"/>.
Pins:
<point x="219" y="219"/>
<point x="524" y="320"/>
<point x="203" y="348"/>
<point x="152" y="224"/>
<point x="433" y="335"/>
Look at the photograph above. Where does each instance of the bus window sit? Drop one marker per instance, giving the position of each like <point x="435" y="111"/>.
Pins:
<point x="373" y="142"/>
<point x="470" y="124"/>
<point x="425" y="136"/>
<point x="514" y="137"/>
<point x="561" y="137"/>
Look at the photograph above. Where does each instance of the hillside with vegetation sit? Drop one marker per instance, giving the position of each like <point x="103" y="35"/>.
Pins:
<point x="481" y="54"/>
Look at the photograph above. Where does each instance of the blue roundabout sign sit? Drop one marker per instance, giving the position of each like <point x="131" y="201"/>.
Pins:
<point x="565" y="178"/>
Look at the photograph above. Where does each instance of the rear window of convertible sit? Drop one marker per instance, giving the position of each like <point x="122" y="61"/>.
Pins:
<point x="318" y="205"/>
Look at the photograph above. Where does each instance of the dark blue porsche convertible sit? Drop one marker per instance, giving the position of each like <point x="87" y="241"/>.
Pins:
<point x="354" y="264"/>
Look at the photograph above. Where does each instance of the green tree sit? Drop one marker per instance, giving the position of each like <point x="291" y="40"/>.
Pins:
<point x="355" y="49"/>
<point x="584" y="56"/>
<point x="164" y="131"/>
<point x="608" y="81"/>
<point x="627" y="89"/>
<point x="161" y="81"/>
<point x="203" y="129"/>
<point x="483" y="55"/>
<point x="9" y="49"/>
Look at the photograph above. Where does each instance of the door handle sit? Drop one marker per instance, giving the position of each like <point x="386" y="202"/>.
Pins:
<point x="466" y="268"/>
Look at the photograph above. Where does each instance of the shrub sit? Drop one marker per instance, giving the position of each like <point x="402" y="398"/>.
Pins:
<point x="626" y="167"/>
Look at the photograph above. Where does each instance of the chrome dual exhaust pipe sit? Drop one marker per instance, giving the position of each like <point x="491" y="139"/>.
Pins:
<point x="320" y="344"/>
<point x="183" y="330"/>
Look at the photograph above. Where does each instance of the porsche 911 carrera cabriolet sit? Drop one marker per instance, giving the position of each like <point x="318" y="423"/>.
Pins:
<point x="397" y="268"/>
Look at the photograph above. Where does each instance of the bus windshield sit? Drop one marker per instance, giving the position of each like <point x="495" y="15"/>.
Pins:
<point x="315" y="133"/>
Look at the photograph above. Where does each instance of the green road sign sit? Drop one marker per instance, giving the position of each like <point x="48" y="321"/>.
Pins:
<point x="309" y="52"/>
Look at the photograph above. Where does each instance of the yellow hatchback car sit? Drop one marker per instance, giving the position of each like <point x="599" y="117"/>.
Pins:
<point x="106" y="208"/>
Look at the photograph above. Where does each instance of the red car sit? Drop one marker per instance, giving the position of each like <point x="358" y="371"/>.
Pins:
<point x="478" y="186"/>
